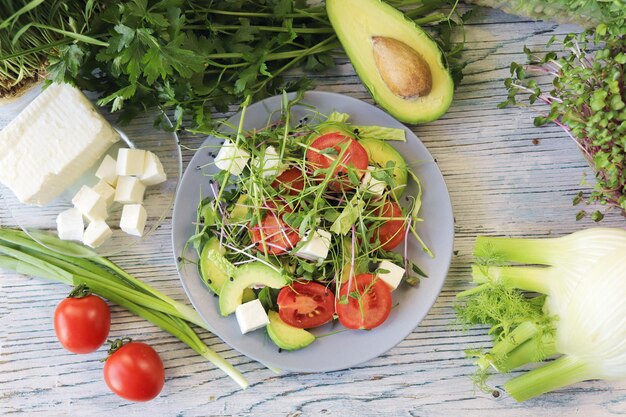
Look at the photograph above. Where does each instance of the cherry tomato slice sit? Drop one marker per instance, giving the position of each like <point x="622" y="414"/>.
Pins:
<point x="135" y="372"/>
<point x="368" y="302"/>
<point x="354" y="155"/>
<point x="82" y="324"/>
<point x="278" y="236"/>
<point x="306" y="305"/>
<point x="291" y="180"/>
<point x="391" y="233"/>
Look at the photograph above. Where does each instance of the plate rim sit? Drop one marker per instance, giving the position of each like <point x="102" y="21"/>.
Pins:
<point x="367" y="357"/>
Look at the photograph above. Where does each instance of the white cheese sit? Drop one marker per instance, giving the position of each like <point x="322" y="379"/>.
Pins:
<point x="315" y="247"/>
<point x="52" y="143"/>
<point x="106" y="191"/>
<point x="130" y="161"/>
<point x="133" y="219"/>
<point x="371" y="184"/>
<point x="270" y="164"/>
<point x="394" y="276"/>
<point x="232" y="159"/>
<point x="107" y="170"/>
<point x="90" y="203"/>
<point x="251" y="316"/>
<point x="153" y="172"/>
<point x="129" y="190"/>
<point x="96" y="233"/>
<point x="70" y="225"/>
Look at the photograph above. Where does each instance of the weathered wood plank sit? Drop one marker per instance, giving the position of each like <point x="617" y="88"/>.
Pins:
<point x="500" y="183"/>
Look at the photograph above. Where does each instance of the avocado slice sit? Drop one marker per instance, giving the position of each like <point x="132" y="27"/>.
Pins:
<point x="402" y="67"/>
<point x="285" y="336"/>
<point x="254" y="273"/>
<point x="215" y="269"/>
<point x="240" y="209"/>
<point x="380" y="152"/>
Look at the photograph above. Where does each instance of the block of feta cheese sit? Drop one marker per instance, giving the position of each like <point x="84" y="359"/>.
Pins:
<point x="129" y="190"/>
<point x="394" y="276"/>
<point x="107" y="171"/>
<point x="70" y="225"/>
<point x="105" y="190"/>
<point x="90" y="203"/>
<point x="133" y="219"/>
<point x="371" y="184"/>
<point x="232" y="159"/>
<point x="315" y="247"/>
<point x="251" y="316"/>
<point x="153" y="172"/>
<point x="270" y="162"/>
<point x="96" y="233"/>
<point x="52" y="143"/>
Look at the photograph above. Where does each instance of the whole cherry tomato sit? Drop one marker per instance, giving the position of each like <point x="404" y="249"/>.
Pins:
<point x="134" y="370"/>
<point x="82" y="321"/>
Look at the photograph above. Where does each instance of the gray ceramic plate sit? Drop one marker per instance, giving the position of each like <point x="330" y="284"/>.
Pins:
<point x="347" y="348"/>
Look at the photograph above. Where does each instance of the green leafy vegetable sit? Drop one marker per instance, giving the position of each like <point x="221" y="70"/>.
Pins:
<point x="188" y="56"/>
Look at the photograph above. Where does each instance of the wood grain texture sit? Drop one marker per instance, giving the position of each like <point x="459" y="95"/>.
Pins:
<point x="501" y="182"/>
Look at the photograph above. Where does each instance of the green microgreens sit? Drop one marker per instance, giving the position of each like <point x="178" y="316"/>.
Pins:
<point x="587" y="99"/>
<point x="318" y="205"/>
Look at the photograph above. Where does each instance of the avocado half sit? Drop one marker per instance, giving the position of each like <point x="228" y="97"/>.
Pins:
<point x="401" y="66"/>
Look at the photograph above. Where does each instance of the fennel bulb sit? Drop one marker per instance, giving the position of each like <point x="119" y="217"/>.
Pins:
<point x="591" y="333"/>
<point x="530" y="328"/>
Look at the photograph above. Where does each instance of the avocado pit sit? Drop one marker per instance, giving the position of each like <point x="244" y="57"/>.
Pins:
<point x="402" y="68"/>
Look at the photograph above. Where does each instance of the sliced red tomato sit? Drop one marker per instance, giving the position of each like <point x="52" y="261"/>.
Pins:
<point x="306" y="305"/>
<point x="292" y="180"/>
<point x="355" y="155"/>
<point x="368" y="302"/>
<point x="391" y="233"/>
<point x="279" y="237"/>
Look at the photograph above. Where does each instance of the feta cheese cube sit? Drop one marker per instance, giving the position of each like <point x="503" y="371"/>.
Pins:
<point x="153" y="172"/>
<point x="129" y="190"/>
<point x="371" y="184"/>
<point x="70" y="225"/>
<point x="394" y="276"/>
<point x="251" y="316"/>
<point x="270" y="164"/>
<point x="133" y="219"/>
<point x="97" y="233"/>
<point x="106" y="191"/>
<point x="90" y="203"/>
<point x="52" y="143"/>
<point x="130" y="161"/>
<point x="315" y="247"/>
<point x="107" y="170"/>
<point x="232" y="159"/>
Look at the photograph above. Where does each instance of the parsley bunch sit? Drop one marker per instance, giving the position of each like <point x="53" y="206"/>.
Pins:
<point x="191" y="57"/>
<point x="587" y="99"/>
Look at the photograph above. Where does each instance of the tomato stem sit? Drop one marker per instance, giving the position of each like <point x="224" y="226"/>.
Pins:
<point x="115" y="345"/>
<point x="80" y="291"/>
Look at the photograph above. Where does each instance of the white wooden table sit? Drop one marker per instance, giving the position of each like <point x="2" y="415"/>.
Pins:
<point x="505" y="177"/>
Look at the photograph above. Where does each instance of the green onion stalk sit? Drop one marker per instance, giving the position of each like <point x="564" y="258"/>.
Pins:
<point x="20" y="253"/>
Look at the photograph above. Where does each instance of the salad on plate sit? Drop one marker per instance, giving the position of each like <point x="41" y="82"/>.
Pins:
<point x="307" y="223"/>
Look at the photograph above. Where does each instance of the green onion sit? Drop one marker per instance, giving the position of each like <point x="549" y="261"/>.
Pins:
<point x="20" y="253"/>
